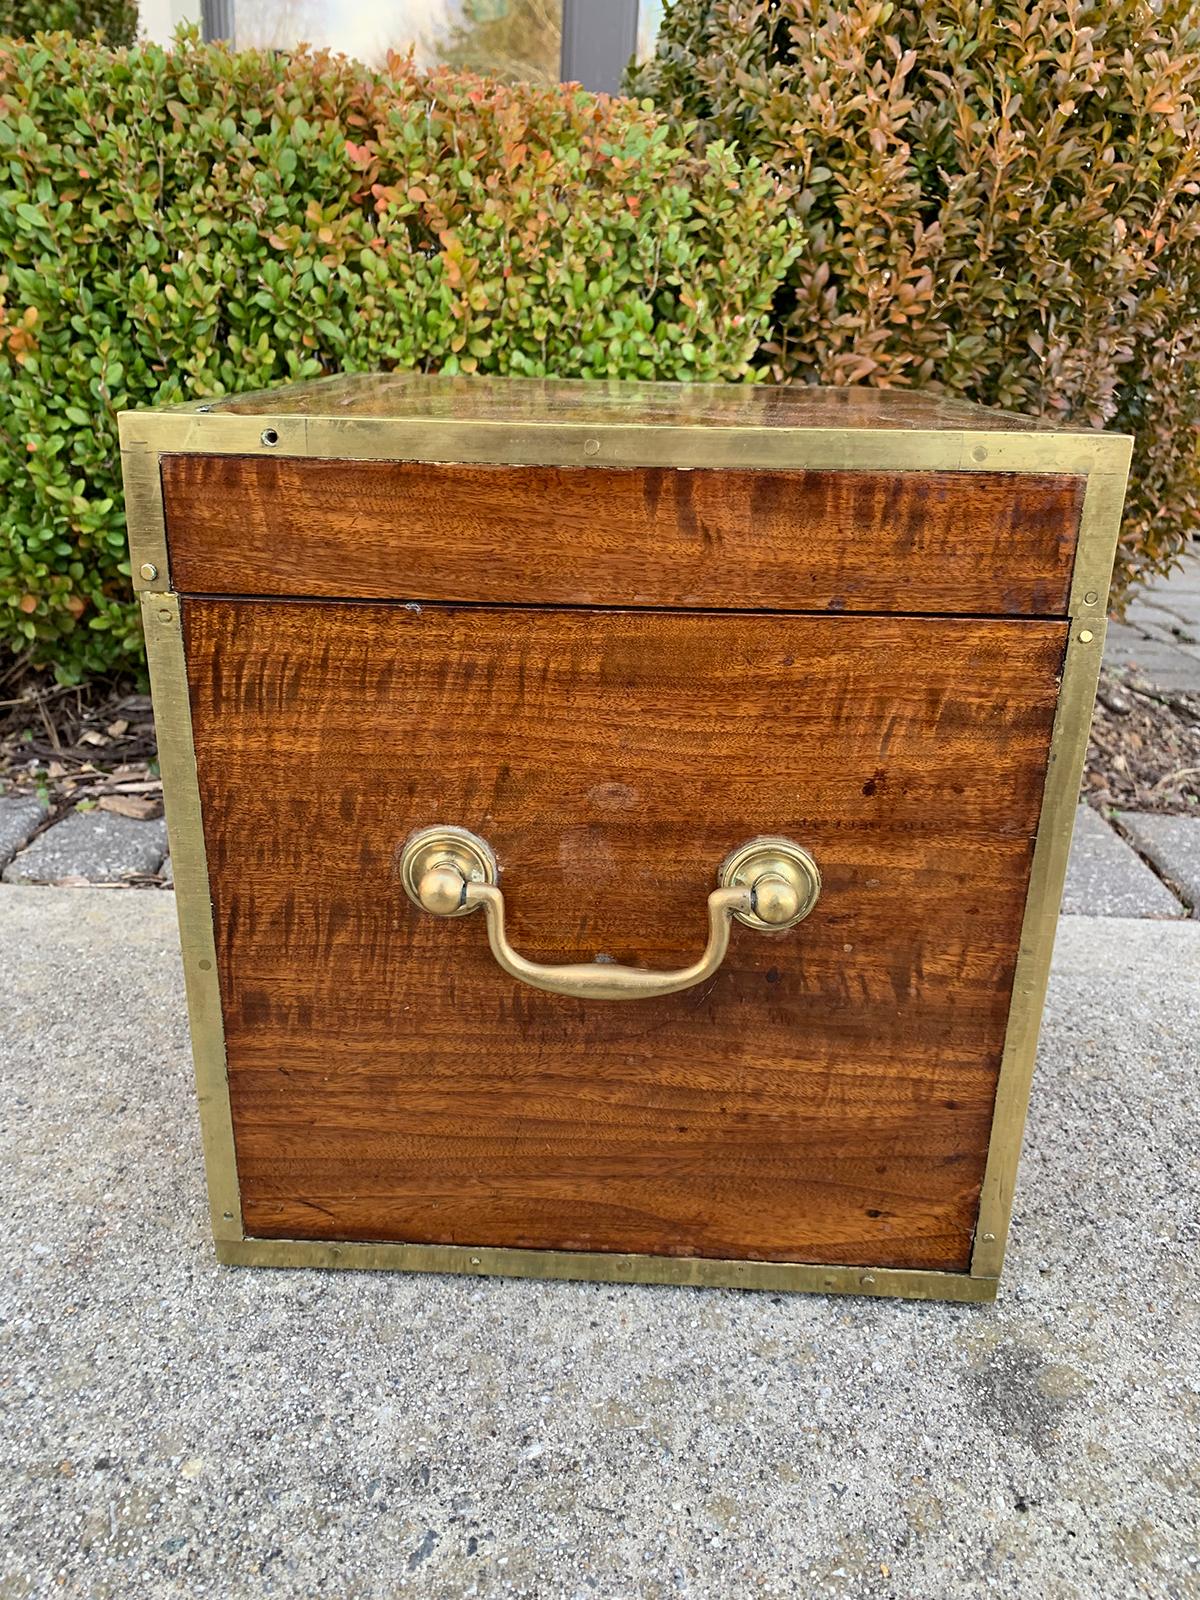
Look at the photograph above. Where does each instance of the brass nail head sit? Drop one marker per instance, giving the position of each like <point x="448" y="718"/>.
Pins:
<point x="166" y="616"/>
<point x="148" y="570"/>
<point x="989" y="1238"/>
<point x="591" y="447"/>
<point x="1090" y="598"/>
<point x="1086" y="636"/>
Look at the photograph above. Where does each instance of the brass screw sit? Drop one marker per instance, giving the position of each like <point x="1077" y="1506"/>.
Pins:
<point x="591" y="447"/>
<point x="165" y="616"/>
<point x="148" y="570"/>
<point x="1090" y="598"/>
<point x="1086" y="636"/>
<point x="979" y="453"/>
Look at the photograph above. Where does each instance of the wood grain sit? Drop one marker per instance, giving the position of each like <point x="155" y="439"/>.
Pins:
<point x="940" y="542"/>
<point x="827" y="1098"/>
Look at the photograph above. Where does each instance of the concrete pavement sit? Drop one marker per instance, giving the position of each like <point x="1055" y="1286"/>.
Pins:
<point x="1160" y="635"/>
<point x="171" y="1428"/>
<point x="1106" y="877"/>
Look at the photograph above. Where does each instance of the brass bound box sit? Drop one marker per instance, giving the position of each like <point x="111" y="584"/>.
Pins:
<point x="618" y="829"/>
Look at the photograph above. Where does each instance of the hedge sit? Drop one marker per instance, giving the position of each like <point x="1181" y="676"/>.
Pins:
<point x="998" y="198"/>
<point x="193" y="222"/>
<point x="116" y="21"/>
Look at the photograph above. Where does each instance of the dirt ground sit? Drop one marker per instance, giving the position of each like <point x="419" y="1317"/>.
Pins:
<point x="1144" y="753"/>
<point x="90" y="747"/>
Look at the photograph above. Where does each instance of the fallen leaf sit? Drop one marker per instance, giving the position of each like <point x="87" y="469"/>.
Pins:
<point x="130" y="805"/>
<point x="90" y="736"/>
<point x="117" y="728"/>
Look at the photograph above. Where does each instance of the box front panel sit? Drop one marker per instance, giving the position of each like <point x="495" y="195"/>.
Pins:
<point x="826" y="1098"/>
<point x="972" y="543"/>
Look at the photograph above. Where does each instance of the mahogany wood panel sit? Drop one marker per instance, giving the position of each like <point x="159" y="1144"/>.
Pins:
<point x="826" y="1098"/>
<point x="997" y="544"/>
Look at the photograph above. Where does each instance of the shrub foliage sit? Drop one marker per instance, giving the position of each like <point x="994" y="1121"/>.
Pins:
<point x="188" y="223"/>
<point x="116" y="21"/>
<point x="998" y="199"/>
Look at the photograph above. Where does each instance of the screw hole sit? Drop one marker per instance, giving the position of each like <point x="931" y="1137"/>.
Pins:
<point x="269" y="436"/>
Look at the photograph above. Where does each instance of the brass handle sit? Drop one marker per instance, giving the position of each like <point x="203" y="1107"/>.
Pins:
<point x="769" y="884"/>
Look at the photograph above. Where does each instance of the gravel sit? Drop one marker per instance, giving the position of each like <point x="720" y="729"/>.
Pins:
<point x="173" y="1428"/>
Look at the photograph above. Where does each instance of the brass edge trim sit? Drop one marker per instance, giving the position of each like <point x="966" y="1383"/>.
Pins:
<point x="177" y="762"/>
<point x="597" y="1267"/>
<point x="145" y="522"/>
<point x="1099" y="527"/>
<point x="622" y="445"/>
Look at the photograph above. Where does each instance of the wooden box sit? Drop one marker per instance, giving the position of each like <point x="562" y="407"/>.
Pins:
<point x="749" y="725"/>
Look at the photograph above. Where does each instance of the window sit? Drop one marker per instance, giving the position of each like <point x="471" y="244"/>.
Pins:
<point x="534" y="41"/>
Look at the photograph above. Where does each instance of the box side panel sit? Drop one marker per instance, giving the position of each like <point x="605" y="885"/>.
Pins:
<point x="827" y="1099"/>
